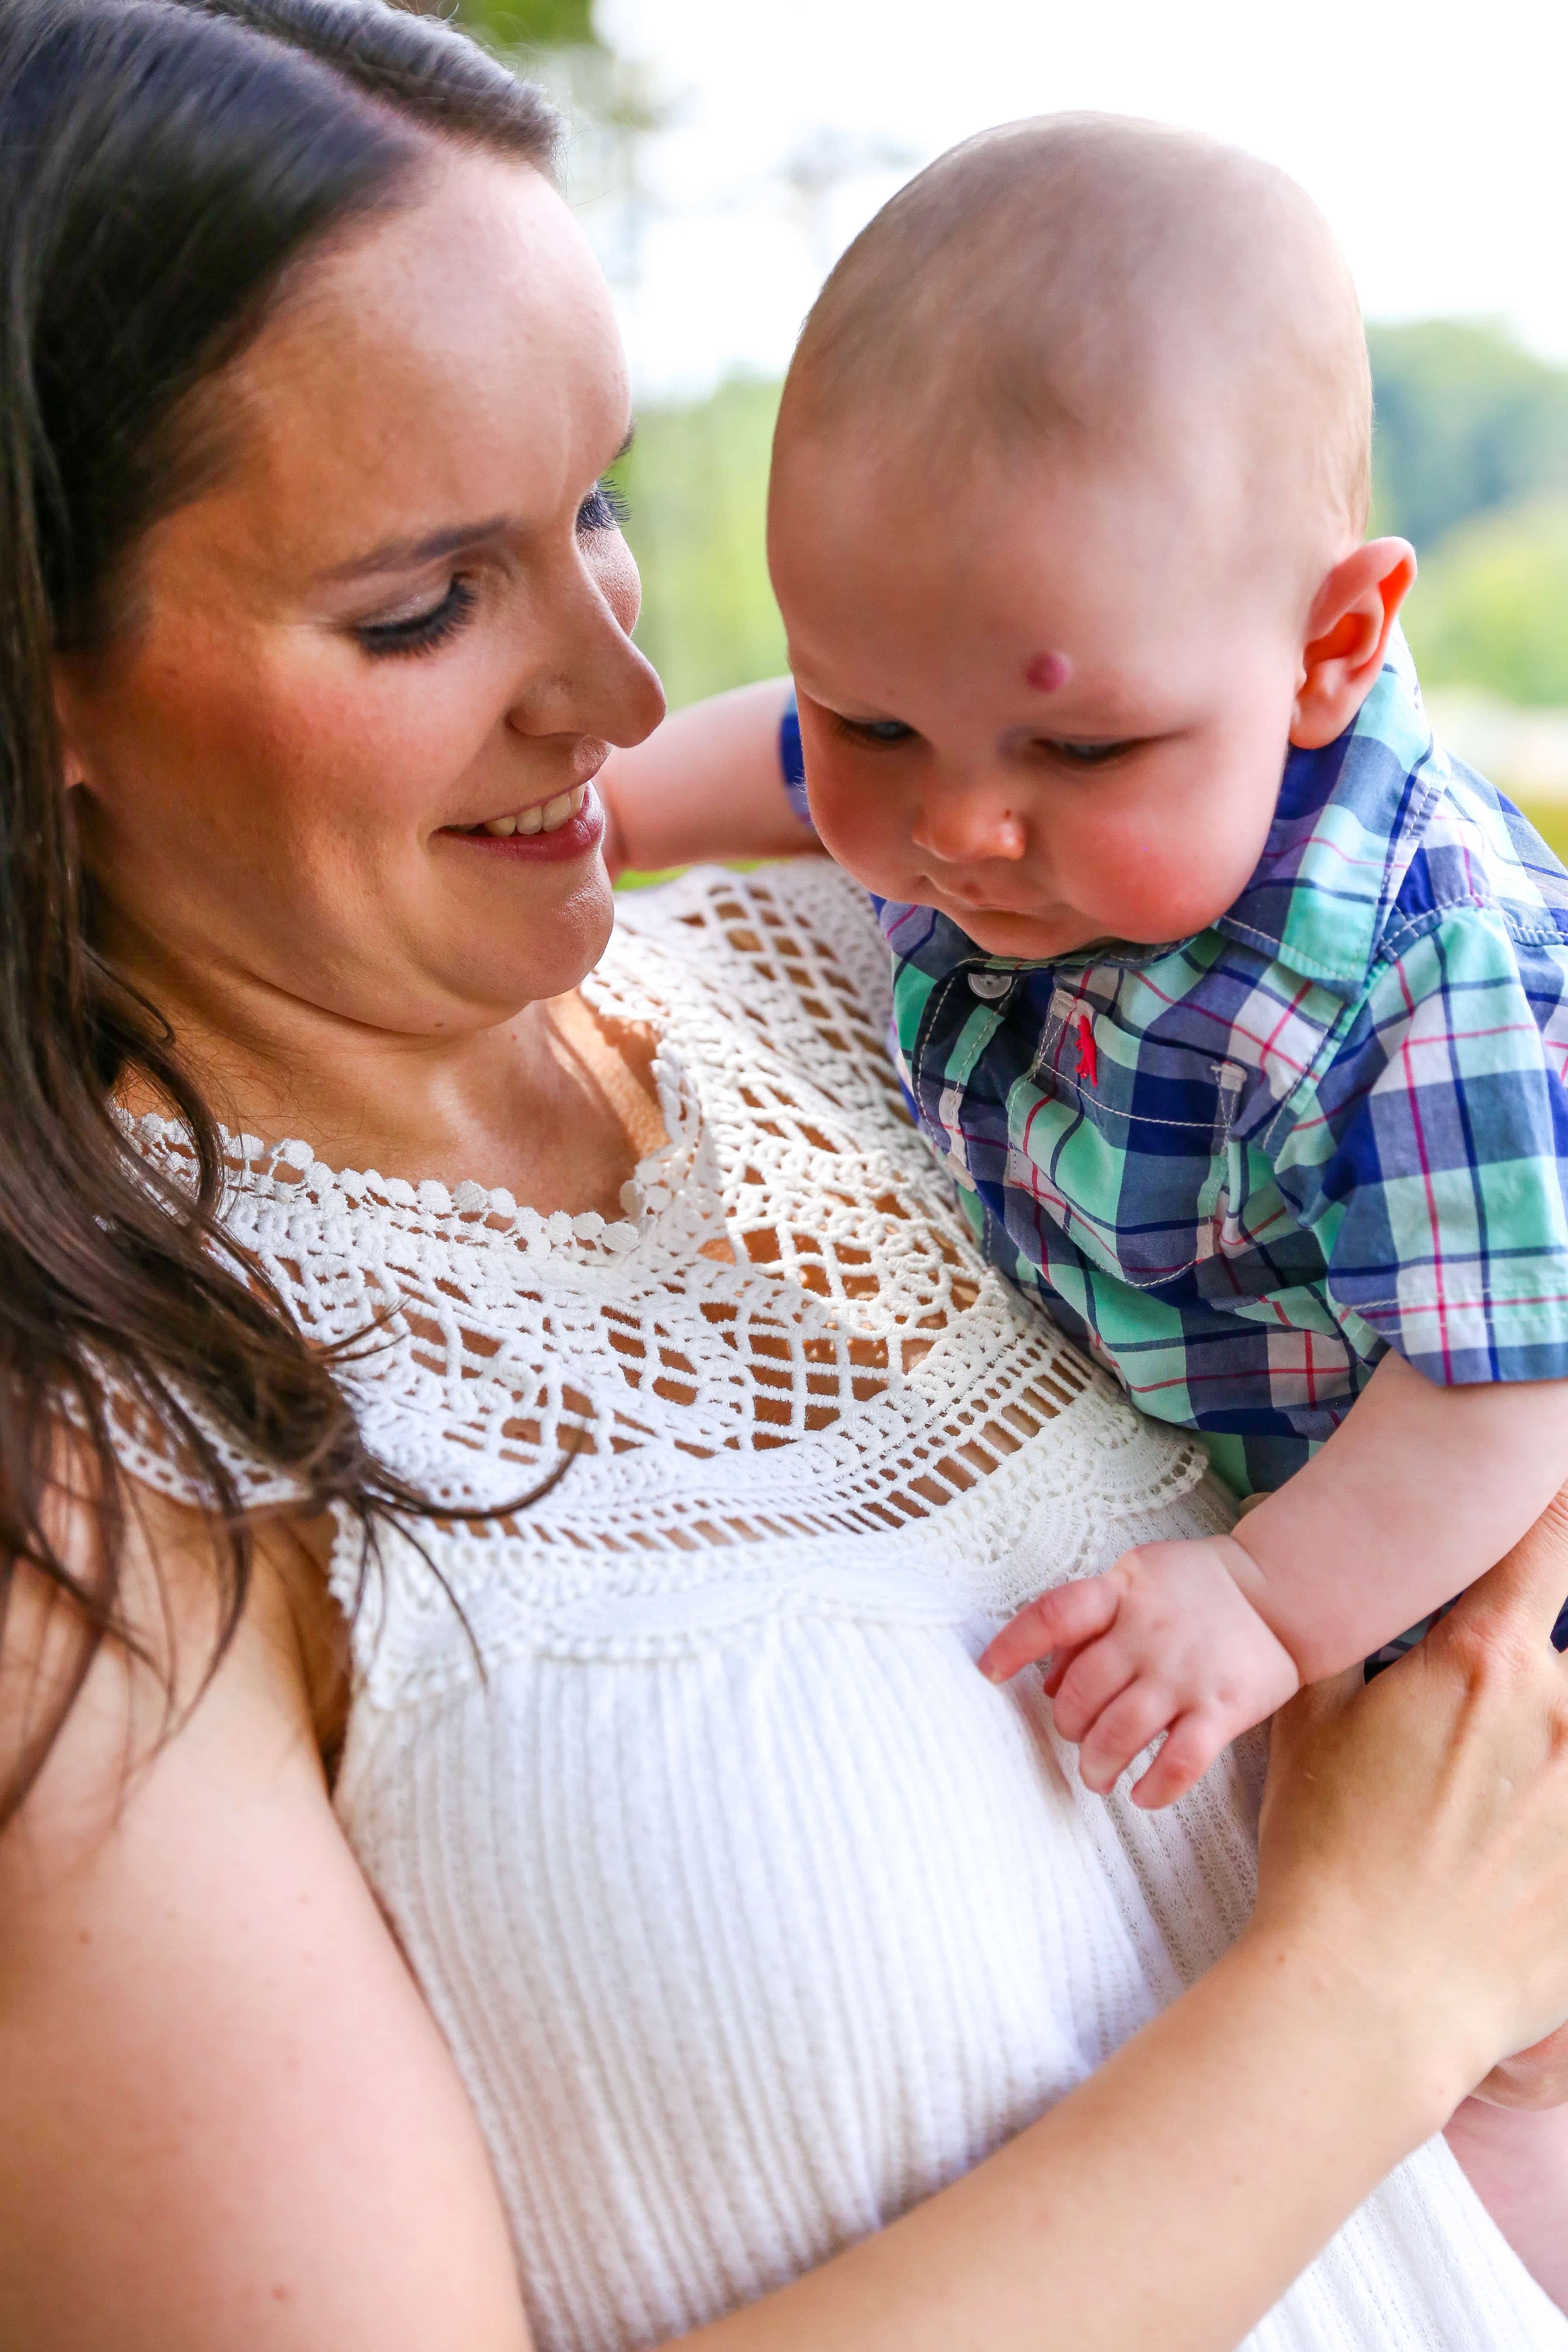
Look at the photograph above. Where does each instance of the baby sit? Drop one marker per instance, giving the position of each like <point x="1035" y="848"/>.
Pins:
<point x="1237" y="1011"/>
<point x="1256" y="1078"/>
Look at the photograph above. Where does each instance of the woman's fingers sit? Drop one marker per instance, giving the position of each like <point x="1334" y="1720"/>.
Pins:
<point x="1536" y="2077"/>
<point x="1436" y="1798"/>
<point x="1300" y="1724"/>
<point x="1530" y="1585"/>
<point x="1065" y="1619"/>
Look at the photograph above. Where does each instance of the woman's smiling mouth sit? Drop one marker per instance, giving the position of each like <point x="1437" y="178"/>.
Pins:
<point x="544" y="816"/>
<point x="568" y="825"/>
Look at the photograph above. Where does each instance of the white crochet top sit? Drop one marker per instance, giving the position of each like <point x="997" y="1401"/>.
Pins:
<point x="751" y="1913"/>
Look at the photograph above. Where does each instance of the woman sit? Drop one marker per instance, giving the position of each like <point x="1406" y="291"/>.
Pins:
<point x="676" y="1788"/>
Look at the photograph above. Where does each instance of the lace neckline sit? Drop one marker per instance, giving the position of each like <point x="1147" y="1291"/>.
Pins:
<point x="671" y="1179"/>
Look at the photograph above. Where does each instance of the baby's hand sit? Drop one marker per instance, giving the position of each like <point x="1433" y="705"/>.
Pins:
<point x="1165" y="1641"/>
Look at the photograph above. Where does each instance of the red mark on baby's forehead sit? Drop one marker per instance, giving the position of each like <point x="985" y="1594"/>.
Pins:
<point x="1046" y="672"/>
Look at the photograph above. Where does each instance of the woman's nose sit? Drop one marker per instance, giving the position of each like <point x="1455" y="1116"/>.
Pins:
<point x="592" y="679"/>
<point x="966" y="827"/>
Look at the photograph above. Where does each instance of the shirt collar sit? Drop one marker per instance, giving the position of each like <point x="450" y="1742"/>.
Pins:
<point x="1348" y="822"/>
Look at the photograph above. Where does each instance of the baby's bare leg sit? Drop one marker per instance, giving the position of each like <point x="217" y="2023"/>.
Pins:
<point x="1517" y="2159"/>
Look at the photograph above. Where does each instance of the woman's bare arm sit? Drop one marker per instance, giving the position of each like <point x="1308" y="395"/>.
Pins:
<point x="225" y="2117"/>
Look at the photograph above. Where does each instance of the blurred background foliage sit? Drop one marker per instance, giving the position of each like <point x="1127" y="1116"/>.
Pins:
<point x="531" y="24"/>
<point x="1470" y="464"/>
<point x="695" y="483"/>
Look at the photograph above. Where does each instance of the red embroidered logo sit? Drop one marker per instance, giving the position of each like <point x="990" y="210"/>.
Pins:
<point x="1088" y="1051"/>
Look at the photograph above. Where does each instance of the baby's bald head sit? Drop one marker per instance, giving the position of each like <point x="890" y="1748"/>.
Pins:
<point x="1107" y="289"/>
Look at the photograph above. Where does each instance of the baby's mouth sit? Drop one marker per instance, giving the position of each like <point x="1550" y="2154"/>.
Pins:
<point x="544" y="816"/>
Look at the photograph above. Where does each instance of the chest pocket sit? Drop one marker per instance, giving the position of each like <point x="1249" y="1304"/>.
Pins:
<point x="1084" y="1134"/>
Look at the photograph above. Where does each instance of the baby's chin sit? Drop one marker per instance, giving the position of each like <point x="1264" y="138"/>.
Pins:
<point x="1056" y="932"/>
<point x="1036" y="939"/>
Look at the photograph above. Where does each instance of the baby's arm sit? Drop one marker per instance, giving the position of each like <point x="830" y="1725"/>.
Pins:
<point x="705" y="784"/>
<point x="1420" y="1490"/>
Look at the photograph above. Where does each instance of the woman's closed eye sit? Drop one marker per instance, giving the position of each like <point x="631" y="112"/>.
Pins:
<point x="422" y="632"/>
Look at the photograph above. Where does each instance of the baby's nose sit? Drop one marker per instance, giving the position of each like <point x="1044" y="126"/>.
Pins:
<point x="965" y="828"/>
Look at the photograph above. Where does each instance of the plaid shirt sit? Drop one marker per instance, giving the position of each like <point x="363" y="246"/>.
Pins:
<point x="1241" y="1167"/>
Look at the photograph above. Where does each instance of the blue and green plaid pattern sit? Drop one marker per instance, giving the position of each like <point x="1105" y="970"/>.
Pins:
<point x="1241" y="1167"/>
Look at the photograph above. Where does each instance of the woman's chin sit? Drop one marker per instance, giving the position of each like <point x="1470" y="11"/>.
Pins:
<point x="550" y="948"/>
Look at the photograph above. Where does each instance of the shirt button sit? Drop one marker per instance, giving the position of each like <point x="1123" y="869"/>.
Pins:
<point x="990" y="984"/>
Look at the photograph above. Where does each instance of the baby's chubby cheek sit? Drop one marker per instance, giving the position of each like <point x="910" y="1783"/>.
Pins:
<point x="1150" y="890"/>
<point x="864" y="826"/>
<point x="1173" y="863"/>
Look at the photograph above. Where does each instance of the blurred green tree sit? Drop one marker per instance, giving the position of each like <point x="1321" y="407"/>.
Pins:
<point x="1490" y="608"/>
<point x="531" y="24"/>
<point x="1467" y="420"/>
<point x="695" y="482"/>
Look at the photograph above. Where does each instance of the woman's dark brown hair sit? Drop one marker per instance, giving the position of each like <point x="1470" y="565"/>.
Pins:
<point x="162" y="163"/>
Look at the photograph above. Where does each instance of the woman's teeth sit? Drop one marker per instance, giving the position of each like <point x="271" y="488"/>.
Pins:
<point x="545" y="816"/>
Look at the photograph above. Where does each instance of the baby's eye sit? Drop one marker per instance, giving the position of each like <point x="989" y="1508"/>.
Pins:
<point x="1085" y="755"/>
<point x="873" y="730"/>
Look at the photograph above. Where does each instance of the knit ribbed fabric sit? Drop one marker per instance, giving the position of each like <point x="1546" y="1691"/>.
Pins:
<point x="751" y="1913"/>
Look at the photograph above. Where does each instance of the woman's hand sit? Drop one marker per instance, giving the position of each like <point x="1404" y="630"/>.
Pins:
<point x="1536" y="2077"/>
<point x="1425" y="1815"/>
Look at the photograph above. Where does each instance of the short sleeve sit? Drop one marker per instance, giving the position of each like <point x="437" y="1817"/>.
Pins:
<point x="792" y="761"/>
<point x="1427" y="1159"/>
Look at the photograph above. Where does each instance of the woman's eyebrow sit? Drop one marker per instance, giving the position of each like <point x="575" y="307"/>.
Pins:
<point x="405" y="554"/>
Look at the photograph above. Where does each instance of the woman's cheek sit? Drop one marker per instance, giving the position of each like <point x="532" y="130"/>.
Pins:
<point x="400" y="741"/>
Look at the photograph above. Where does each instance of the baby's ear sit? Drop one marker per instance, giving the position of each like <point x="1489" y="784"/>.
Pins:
<point x="1347" y="630"/>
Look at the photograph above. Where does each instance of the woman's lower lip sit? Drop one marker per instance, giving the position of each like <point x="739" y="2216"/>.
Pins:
<point x="575" y="839"/>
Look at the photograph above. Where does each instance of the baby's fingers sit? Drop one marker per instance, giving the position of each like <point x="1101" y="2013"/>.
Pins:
<point x="1097" y="1676"/>
<point x="1196" y="1740"/>
<point x="1062" y="1620"/>
<point x="1122" y="1732"/>
<point x="1058" y="1667"/>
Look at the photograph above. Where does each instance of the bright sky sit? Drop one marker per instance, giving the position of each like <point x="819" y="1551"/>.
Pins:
<point x="1432" y="134"/>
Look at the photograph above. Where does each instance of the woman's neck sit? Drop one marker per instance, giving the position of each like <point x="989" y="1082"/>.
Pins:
<point x="556" y="1103"/>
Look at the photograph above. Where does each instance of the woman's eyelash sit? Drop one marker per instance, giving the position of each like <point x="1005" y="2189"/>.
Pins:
<point x="421" y="632"/>
<point x="603" y="509"/>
